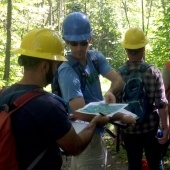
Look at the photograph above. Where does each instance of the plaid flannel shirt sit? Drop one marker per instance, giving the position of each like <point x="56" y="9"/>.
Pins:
<point x="154" y="86"/>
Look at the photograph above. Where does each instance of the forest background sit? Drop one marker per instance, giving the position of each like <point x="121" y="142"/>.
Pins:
<point x="109" y="20"/>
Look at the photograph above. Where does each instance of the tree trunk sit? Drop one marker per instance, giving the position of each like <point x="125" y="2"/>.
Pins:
<point x="8" y="41"/>
<point x="126" y="11"/>
<point x="143" y="15"/>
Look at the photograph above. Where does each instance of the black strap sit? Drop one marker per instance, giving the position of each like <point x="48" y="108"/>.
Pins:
<point x="55" y="85"/>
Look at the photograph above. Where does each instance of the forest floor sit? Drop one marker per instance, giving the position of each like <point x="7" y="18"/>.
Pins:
<point x="115" y="160"/>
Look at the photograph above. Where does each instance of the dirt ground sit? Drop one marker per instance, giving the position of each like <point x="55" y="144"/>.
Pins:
<point x="115" y="161"/>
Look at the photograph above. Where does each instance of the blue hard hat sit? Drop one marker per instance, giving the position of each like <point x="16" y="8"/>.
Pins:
<point x="76" y="27"/>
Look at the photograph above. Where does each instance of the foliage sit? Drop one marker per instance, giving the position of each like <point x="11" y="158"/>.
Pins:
<point x="109" y="20"/>
<point x="161" y="36"/>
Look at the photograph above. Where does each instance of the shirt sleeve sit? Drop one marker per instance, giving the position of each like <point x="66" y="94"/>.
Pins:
<point x="104" y="66"/>
<point x="159" y="91"/>
<point x="69" y="83"/>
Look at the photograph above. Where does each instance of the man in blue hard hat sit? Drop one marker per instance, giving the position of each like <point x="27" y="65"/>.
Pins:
<point x="80" y="84"/>
<point x="41" y="126"/>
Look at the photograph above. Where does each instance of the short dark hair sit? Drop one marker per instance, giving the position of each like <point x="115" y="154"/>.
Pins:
<point x="133" y="52"/>
<point x="28" y="61"/>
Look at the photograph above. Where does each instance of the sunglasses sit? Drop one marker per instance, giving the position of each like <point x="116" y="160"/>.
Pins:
<point x="82" y="43"/>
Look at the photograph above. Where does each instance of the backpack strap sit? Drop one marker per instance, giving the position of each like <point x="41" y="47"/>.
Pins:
<point x="93" y="57"/>
<point x="78" y="69"/>
<point x="82" y="74"/>
<point x="124" y="70"/>
<point x="55" y="85"/>
<point x="144" y="66"/>
<point x="25" y="98"/>
<point x="81" y="71"/>
<point x="18" y="103"/>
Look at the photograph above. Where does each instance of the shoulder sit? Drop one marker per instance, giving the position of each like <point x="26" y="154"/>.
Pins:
<point x="167" y="64"/>
<point x="144" y="67"/>
<point x="152" y="68"/>
<point x="65" y="66"/>
<point x="66" y="70"/>
<point x="96" y="54"/>
<point x="53" y="102"/>
<point x="153" y="73"/>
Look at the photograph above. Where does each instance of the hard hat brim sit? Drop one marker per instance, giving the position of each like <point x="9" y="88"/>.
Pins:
<point x="50" y="56"/>
<point x="77" y="37"/>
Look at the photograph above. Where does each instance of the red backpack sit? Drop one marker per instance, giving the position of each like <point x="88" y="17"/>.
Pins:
<point x="145" y="164"/>
<point x="8" y="156"/>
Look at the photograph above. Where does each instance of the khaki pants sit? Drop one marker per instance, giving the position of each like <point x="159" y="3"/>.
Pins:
<point x="94" y="157"/>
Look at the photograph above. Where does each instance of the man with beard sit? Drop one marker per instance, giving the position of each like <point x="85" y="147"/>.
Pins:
<point x="41" y="127"/>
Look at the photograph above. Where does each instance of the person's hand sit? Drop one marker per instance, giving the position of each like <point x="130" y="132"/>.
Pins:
<point x="165" y="137"/>
<point x="101" y="120"/>
<point x="124" y="118"/>
<point x="72" y="117"/>
<point x="109" y="98"/>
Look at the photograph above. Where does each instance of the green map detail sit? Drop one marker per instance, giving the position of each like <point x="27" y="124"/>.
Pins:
<point x="102" y="108"/>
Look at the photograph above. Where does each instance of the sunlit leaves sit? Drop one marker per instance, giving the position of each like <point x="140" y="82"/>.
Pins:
<point x="109" y="20"/>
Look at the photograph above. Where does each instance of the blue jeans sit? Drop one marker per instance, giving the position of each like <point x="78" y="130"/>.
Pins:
<point x="136" y="144"/>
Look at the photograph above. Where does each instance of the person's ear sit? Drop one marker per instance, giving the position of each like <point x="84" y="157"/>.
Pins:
<point x="45" y="66"/>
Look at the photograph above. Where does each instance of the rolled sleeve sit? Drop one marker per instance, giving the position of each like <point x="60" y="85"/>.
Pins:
<point x="156" y="88"/>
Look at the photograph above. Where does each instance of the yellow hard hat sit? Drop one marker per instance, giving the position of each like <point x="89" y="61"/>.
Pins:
<point x="134" y="39"/>
<point x="42" y="43"/>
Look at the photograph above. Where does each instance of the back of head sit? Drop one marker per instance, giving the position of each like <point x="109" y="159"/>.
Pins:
<point x="42" y="43"/>
<point x="76" y="27"/>
<point x="134" y="38"/>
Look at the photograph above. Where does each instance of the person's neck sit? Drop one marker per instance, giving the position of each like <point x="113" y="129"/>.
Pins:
<point x="135" y="58"/>
<point x="139" y="57"/>
<point x="31" y="80"/>
<point x="23" y="82"/>
<point x="83" y="61"/>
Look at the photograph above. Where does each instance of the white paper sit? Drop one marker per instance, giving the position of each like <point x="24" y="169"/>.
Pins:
<point x="96" y="108"/>
<point x="79" y="125"/>
<point x="101" y="107"/>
